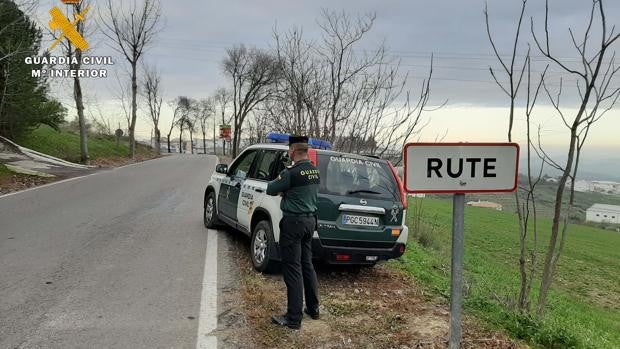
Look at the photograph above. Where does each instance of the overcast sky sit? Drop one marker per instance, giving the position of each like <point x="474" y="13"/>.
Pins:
<point x="190" y="48"/>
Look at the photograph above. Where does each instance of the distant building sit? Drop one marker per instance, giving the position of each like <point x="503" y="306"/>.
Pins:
<point x="603" y="187"/>
<point x="486" y="204"/>
<point x="602" y="213"/>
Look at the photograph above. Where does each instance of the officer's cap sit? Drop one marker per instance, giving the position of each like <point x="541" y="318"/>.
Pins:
<point x="297" y="139"/>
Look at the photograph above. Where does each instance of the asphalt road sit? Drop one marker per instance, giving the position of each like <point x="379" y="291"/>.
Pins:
<point x="111" y="260"/>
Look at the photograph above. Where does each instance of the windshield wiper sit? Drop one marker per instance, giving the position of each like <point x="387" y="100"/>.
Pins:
<point x="362" y="191"/>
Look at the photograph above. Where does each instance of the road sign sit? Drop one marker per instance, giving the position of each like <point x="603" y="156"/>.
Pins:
<point x="461" y="167"/>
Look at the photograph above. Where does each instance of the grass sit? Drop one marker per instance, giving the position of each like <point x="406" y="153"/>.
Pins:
<point x="66" y="144"/>
<point x="584" y="303"/>
<point x="5" y="172"/>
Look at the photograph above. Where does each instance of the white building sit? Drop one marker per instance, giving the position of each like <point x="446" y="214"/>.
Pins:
<point x="601" y="213"/>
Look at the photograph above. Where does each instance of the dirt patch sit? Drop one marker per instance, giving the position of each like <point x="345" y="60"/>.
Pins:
<point x="16" y="182"/>
<point x="117" y="161"/>
<point x="369" y="308"/>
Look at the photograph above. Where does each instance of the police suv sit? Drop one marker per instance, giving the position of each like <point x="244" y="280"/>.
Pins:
<point x="361" y="204"/>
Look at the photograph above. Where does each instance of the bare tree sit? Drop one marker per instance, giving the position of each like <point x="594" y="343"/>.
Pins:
<point x="222" y="98"/>
<point x="594" y="72"/>
<point x="132" y="30"/>
<point x="102" y="123"/>
<point x="287" y="109"/>
<point x="251" y="72"/>
<point x="190" y="122"/>
<point x="122" y="93"/>
<point x="153" y="93"/>
<point x="185" y="121"/>
<point x="180" y="105"/>
<point x="205" y="110"/>
<point x="345" y="67"/>
<point x="79" y="10"/>
<point x="334" y="90"/>
<point x="515" y="78"/>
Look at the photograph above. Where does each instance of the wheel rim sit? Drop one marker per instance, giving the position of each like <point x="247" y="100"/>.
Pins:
<point x="209" y="210"/>
<point x="260" y="246"/>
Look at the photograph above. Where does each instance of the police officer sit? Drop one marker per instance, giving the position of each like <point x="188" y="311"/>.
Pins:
<point x="298" y="185"/>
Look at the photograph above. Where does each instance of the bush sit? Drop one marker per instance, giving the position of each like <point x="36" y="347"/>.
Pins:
<point x="534" y="330"/>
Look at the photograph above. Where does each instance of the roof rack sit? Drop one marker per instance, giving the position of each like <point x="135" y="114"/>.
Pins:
<point x="282" y="138"/>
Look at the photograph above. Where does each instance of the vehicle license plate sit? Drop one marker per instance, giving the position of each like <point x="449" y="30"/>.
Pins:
<point x="360" y="220"/>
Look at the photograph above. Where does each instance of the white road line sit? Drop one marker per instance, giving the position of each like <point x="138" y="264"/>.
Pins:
<point x="207" y="321"/>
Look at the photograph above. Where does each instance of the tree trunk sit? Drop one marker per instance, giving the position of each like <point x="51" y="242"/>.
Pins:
<point x="181" y="140"/>
<point x="214" y="145"/>
<point x="3" y="128"/>
<point x="79" y="105"/>
<point x="204" y="141"/>
<point x="548" y="270"/>
<point x="191" y="141"/>
<point x="134" y="109"/>
<point x="169" y="151"/>
<point x="158" y="140"/>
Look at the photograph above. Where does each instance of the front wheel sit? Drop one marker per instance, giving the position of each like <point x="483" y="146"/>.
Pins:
<point x="210" y="217"/>
<point x="261" y="247"/>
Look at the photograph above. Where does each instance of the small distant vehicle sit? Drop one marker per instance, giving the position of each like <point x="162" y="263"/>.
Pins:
<point x="361" y="206"/>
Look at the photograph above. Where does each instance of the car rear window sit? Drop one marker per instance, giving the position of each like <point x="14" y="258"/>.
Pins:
<point x="367" y="178"/>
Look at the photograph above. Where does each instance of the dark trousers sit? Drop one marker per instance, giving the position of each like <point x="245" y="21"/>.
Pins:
<point x="297" y="270"/>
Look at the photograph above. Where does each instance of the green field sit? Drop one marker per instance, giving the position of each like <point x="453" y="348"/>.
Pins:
<point x="584" y="303"/>
<point x="66" y="144"/>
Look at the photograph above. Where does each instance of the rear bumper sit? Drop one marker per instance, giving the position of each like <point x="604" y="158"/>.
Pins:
<point x="354" y="255"/>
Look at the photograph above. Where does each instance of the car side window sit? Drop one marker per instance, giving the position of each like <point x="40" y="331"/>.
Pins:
<point x="241" y="168"/>
<point x="282" y="162"/>
<point x="266" y="166"/>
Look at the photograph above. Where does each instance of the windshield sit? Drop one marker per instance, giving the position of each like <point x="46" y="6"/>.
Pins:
<point x="367" y="178"/>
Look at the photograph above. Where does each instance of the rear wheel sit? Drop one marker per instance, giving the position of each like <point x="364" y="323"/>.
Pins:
<point x="262" y="246"/>
<point x="210" y="217"/>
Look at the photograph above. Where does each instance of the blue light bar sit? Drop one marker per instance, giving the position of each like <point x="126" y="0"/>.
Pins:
<point x="282" y="138"/>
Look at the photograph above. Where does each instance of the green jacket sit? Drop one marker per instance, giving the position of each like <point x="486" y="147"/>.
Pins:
<point x="299" y="185"/>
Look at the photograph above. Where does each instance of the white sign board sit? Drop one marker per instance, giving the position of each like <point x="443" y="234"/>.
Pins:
<point x="461" y="167"/>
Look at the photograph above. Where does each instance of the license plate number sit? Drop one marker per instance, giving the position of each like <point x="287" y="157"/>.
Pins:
<point x="360" y="220"/>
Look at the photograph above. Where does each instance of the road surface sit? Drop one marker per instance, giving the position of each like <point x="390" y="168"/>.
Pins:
<point x="110" y="260"/>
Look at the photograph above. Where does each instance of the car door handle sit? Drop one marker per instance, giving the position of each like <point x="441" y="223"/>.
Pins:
<point x="258" y="190"/>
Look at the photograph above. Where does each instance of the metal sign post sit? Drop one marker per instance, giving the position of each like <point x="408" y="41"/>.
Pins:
<point x="460" y="168"/>
<point x="456" y="285"/>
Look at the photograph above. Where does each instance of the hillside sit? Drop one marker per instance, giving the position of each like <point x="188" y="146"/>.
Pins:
<point x="66" y="145"/>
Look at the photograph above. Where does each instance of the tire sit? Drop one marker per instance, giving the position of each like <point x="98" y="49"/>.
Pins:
<point x="262" y="246"/>
<point x="210" y="217"/>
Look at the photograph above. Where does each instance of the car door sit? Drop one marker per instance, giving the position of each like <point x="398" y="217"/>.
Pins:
<point x="231" y="186"/>
<point x="253" y="191"/>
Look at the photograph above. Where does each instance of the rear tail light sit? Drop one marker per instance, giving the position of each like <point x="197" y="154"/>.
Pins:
<point x="313" y="157"/>
<point x="401" y="188"/>
<point x="343" y="257"/>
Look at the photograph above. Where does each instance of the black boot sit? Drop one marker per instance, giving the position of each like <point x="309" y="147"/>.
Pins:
<point x="315" y="315"/>
<point x="283" y="321"/>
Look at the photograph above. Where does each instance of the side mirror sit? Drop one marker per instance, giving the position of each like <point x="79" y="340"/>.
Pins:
<point x="221" y="168"/>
